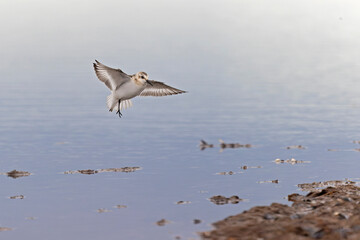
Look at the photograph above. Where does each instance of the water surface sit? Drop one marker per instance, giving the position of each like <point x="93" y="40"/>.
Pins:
<point x="268" y="73"/>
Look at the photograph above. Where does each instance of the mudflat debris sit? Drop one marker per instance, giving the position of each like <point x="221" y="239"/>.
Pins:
<point x="296" y="147"/>
<point x="317" y="186"/>
<point x="331" y="213"/>
<point x="226" y="173"/>
<point x="292" y="161"/>
<point x="17" y="197"/>
<point x="16" y="174"/>
<point x="162" y="222"/>
<point x="270" y="181"/>
<point x="221" y="200"/>
<point x="248" y="167"/>
<point x="103" y="210"/>
<point x="124" y="169"/>
<point x="182" y="202"/>
<point x="203" y="145"/>
<point x="196" y="221"/>
<point x="90" y="171"/>
<point x="224" y="145"/>
<point x="120" y="206"/>
<point x="86" y="171"/>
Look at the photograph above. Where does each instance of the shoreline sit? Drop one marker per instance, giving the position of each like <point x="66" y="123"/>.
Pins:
<point x="329" y="213"/>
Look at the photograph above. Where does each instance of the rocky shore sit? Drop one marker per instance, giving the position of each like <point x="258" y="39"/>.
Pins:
<point x="330" y="213"/>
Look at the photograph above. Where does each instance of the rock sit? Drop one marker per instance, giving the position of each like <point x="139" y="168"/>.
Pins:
<point x="331" y="213"/>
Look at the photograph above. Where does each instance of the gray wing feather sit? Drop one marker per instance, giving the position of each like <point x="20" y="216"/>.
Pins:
<point x="110" y="76"/>
<point x="159" y="89"/>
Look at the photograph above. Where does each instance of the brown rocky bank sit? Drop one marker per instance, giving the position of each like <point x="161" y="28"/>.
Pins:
<point x="331" y="213"/>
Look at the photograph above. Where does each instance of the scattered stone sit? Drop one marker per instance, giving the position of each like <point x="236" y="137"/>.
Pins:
<point x="120" y="206"/>
<point x="124" y="169"/>
<point x="330" y="213"/>
<point x="295" y="147"/>
<point x="162" y="222"/>
<point x="203" y="145"/>
<point x="225" y="173"/>
<point x="316" y="186"/>
<point x="87" y="171"/>
<point x="90" y="171"/>
<point x="247" y="167"/>
<point x="292" y="161"/>
<point x="270" y="181"/>
<point x="17" y="197"/>
<point x="16" y="174"/>
<point x="221" y="200"/>
<point x="224" y="145"/>
<point x="196" y="221"/>
<point x="103" y="210"/>
<point x="183" y="202"/>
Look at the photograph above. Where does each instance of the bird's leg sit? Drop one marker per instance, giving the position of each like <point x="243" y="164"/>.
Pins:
<point x="118" y="112"/>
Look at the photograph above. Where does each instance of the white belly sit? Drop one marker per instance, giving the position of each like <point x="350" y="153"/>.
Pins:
<point x="128" y="90"/>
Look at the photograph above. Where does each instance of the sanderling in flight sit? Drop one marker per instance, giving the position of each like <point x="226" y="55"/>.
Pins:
<point x="124" y="87"/>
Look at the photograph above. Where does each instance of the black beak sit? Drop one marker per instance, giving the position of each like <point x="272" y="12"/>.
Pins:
<point x="149" y="82"/>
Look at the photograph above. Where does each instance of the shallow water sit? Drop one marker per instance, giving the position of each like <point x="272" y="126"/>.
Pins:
<point x="267" y="73"/>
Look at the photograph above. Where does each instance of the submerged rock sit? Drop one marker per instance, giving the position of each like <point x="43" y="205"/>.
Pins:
<point x="162" y="222"/>
<point x="182" y="202"/>
<point x="196" y="221"/>
<point x="295" y="147"/>
<point x="221" y="200"/>
<point x="17" y="197"/>
<point x="291" y="161"/>
<point x="124" y="169"/>
<point x="90" y="171"/>
<point x="17" y="174"/>
<point x="224" y="145"/>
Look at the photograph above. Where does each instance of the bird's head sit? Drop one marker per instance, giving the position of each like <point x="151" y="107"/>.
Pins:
<point x="142" y="78"/>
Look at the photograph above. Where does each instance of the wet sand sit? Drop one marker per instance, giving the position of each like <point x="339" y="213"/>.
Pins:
<point x="330" y="213"/>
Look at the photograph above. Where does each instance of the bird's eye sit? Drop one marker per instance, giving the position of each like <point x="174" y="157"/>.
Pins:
<point x="142" y="77"/>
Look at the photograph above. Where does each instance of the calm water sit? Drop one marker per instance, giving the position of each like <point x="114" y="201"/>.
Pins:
<point x="268" y="73"/>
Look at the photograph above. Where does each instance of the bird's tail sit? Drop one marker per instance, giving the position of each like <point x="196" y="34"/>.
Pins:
<point x="113" y="103"/>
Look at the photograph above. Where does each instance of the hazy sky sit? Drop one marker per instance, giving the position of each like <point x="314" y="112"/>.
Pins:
<point x="292" y="41"/>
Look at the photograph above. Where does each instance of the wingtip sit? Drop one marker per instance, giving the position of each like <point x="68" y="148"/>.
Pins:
<point x="181" y="92"/>
<point x="95" y="66"/>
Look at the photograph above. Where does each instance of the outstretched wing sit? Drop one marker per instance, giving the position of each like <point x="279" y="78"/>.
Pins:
<point x="158" y="89"/>
<point x="110" y="76"/>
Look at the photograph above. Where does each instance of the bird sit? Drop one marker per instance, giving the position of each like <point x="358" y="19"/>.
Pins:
<point x="124" y="87"/>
